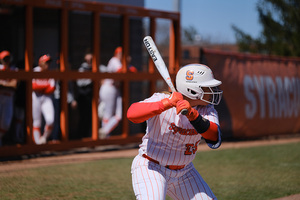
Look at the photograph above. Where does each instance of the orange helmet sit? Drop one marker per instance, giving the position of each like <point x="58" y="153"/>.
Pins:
<point x="118" y="50"/>
<point x="45" y="58"/>
<point x="4" y="54"/>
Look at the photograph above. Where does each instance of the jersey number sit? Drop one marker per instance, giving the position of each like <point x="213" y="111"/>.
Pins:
<point x="191" y="148"/>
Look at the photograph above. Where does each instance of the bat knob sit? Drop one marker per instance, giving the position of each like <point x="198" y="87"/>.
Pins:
<point x="184" y="111"/>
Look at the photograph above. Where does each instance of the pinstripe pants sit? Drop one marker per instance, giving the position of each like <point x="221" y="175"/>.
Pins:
<point x="153" y="181"/>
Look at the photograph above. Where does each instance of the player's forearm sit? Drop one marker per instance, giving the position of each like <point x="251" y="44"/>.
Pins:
<point x="11" y="83"/>
<point x="43" y="85"/>
<point x="208" y="129"/>
<point x="38" y="87"/>
<point x="140" y="112"/>
<point x="49" y="89"/>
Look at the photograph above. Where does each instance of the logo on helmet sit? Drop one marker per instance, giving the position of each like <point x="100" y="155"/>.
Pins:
<point x="201" y="73"/>
<point x="189" y="75"/>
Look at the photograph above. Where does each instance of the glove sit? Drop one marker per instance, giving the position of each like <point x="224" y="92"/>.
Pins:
<point x="192" y="113"/>
<point x="172" y="100"/>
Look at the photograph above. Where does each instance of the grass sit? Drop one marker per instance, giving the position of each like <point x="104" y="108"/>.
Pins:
<point x="253" y="173"/>
<point x="250" y="173"/>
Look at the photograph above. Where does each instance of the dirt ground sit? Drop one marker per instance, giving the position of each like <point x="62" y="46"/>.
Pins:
<point x="84" y="155"/>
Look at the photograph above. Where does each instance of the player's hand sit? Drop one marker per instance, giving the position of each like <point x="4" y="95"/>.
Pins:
<point x="172" y="100"/>
<point x="175" y="97"/>
<point x="192" y="113"/>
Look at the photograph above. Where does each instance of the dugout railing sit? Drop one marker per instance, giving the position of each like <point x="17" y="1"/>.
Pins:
<point x="65" y="74"/>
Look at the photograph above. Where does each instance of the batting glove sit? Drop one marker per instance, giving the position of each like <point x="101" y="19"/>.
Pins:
<point x="172" y="100"/>
<point x="192" y="113"/>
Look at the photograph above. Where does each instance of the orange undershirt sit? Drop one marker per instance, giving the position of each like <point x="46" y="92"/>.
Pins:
<point x="142" y="111"/>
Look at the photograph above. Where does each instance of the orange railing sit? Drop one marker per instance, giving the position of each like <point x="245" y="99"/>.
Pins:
<point x="64" y="74"/>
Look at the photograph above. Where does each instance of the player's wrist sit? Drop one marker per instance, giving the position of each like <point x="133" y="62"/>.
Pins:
<point x="200" y="124"/>
<point x="193" y="114"/>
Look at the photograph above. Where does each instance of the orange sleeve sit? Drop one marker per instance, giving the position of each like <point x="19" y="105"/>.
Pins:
<point x="37" y="87"/>
<point x="211" y="133"/>
<point x="49" y="89"/>
<point x="142" y="111"/>
<point x="42" y="85"/>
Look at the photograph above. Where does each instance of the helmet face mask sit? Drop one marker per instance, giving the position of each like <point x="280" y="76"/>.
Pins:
<point x="196" y="82"/>
<point x="214" y="95"/>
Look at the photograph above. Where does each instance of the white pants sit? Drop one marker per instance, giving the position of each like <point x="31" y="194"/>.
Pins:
<point x="42" y="105"/>
<point x="112" y="113"/>
<point x="153" y="181"/>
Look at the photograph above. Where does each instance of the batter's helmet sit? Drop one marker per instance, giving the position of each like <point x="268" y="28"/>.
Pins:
<point x="192" y="78"/>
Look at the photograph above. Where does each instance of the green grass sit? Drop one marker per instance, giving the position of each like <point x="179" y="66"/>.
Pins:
<point x="250" y="173"/>
<point x="253" y="173"/>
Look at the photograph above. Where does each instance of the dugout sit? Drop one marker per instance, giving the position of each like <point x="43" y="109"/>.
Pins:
<point x="66" y="29"/>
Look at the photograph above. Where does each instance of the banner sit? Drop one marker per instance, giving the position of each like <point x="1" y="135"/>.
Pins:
<point x="261" y="94"/>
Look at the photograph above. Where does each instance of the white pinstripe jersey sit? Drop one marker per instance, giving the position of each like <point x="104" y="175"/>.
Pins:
<point x="170" y="138"/>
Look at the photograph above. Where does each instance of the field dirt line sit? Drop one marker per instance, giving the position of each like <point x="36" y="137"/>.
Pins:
<point x="91" y="155"/>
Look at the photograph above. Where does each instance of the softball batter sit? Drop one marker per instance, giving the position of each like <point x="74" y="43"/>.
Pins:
<point x="42" y="103"/>
<point x="164" y="163"/>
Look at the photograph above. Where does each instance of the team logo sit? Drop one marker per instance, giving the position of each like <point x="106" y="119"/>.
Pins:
<point x="175" y="129"/>
<point x="150" y="50"/>
<point x="201" y="73"/>
<point x="189" y="75"/>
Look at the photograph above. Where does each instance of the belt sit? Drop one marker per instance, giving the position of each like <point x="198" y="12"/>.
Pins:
<point x="172" y="167"/>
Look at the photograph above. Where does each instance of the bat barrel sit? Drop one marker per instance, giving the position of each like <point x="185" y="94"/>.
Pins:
<point x="160" y="64"/>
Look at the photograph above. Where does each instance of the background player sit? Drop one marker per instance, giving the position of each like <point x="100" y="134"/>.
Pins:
<point x="110" y="107"/>
<point x="110" y="97"/>
<point x="7" y="90"/>
<point x="42" y="105"/>
<point x="164" y="163"/>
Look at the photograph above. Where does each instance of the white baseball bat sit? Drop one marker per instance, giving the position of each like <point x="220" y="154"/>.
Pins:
<point x="160" y="64"/>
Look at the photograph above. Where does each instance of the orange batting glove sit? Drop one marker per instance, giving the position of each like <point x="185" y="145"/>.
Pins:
<point x="172" y="100"/>
<point x="192" y="113"/>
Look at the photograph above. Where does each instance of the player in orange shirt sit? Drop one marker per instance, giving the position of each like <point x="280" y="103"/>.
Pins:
<point x="42" y="105"/>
